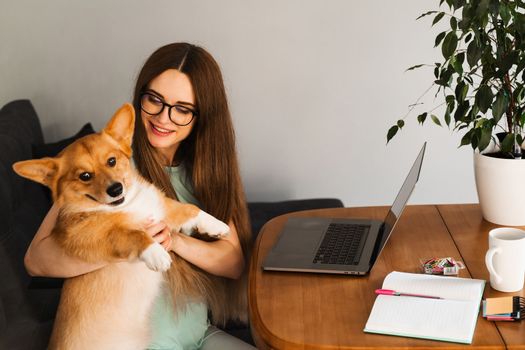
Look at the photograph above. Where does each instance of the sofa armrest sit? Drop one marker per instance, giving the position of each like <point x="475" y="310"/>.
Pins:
<point x="45" y="283"/>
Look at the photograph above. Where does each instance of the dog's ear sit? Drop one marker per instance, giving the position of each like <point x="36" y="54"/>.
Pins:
<point x="39" y="170"/>
<point x="121" y="127"/>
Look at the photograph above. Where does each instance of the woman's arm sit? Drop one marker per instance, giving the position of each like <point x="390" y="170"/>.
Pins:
<point x="45" y="257"/>
<point x="223" y="257"/>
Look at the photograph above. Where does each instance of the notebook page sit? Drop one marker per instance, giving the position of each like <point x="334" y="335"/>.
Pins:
<point x="447" y="320"/>
<point x="442" y="286"/>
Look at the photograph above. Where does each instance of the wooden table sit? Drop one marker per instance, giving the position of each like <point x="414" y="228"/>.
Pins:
<point x="316" y="311"/>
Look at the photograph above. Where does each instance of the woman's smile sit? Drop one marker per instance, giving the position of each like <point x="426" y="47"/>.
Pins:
<point x="159" y="131"/>
<point x="164" y="135"/>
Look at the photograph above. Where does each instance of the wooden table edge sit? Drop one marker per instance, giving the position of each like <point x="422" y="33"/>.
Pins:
<point x="257" y="326"/>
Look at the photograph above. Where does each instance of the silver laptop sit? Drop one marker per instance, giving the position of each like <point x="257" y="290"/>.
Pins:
<point x="342" y="246"/>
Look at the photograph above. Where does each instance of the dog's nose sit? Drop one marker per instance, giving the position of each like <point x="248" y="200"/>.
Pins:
<point x="115" y="189"/>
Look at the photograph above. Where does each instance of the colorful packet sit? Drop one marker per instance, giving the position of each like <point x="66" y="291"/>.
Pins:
<point x="441" y="266"/>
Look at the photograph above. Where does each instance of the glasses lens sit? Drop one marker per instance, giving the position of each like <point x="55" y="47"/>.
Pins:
<point x="151" y="104"/>
<point x="181" y="115"/>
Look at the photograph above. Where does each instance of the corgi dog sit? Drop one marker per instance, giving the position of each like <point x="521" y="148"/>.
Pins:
<point x="104" y="205"/>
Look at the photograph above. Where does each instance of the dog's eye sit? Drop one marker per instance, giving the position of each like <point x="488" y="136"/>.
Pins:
<point x="112" y="162"/>
<point x="85" y="176"/>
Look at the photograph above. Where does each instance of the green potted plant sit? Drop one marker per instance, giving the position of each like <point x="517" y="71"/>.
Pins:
<point x="481" y="81"/>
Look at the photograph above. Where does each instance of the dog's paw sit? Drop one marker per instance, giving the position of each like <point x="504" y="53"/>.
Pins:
<point x="206" y="224"/>
<point x="211" y="226"/>
<point x="156" y="257"/>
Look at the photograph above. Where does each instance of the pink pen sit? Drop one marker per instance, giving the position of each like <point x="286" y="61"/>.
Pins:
<point x="394" y="293"/>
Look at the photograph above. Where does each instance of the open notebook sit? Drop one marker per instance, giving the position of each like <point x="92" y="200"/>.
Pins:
<point x="452" y="318"/>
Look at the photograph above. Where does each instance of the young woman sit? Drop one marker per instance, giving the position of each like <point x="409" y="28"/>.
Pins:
<point x="184" y="143"/>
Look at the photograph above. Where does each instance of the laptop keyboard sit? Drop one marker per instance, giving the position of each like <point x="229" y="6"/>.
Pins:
<point x="342" y="244"/>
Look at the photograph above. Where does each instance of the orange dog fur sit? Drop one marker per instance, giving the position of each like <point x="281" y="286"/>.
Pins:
<point x="104" y="203"/>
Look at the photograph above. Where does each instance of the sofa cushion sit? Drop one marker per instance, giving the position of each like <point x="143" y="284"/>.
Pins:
<point x="19" y="120"/>
<point x="23" y="203"/>
<point x="52" y="149"/>
<point x="25" y="315"/>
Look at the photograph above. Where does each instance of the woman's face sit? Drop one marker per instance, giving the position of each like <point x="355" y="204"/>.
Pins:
<point x="174" y="88"/>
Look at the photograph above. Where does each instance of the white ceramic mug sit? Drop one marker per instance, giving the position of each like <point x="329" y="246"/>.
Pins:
<point x="505" y="259"/>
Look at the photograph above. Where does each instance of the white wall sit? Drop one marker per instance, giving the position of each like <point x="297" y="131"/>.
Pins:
<point x="313" y="85"/>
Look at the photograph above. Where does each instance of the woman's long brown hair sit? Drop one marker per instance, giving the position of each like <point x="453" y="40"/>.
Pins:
<point x="210" y="158"/>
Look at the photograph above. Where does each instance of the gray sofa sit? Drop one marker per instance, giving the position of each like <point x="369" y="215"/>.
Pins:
<point x="28" y="305"/>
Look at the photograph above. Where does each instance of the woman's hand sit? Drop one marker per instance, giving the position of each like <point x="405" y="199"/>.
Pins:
<point x="160" y="233"/>
<point x="223" y="257"/>
<point x="45" y="257"/>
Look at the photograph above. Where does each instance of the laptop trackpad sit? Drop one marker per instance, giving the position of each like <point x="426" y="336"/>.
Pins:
<point x="301" y="236"/>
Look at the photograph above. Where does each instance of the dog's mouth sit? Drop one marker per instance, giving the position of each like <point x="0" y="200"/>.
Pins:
<point x="114" y="203"/>
<point x="118" y="201"/>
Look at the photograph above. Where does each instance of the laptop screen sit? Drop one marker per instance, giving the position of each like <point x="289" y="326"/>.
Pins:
<point x="399" y="203"/>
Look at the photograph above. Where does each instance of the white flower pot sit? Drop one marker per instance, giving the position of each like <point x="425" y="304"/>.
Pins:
<point x="501" y="189"/>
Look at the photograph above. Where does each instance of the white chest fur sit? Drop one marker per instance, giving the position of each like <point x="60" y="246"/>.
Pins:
<point x="143" y="201"/>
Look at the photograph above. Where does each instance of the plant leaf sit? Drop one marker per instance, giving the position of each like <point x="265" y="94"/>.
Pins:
<point x="421" y="118"/>
<point x="500" y="105"/>
<point x="456" y="62"/>
<point x="467" y="138"/>
<point x="521" y="65"/>
<point x="484" y="141"/>
<point x="507" y="62"/>
<point x="426" y="14"/>
<point x="518" y="93"/>
<point x="445" y="75"/>
<point x="461" y="91"/>
<point x="475" y="138"/>
<point x="473" y="113"/>
<point x="482" y="7"/>
<point x="504" y="12"/>
<point x="439" y="38"/>
<point x="507" y="143"/>
<point x="474" y="53"/>
<point x="435" y="119"/>
<point x="414" y="67"/>
<point x="484" y="98"/>
<point x="447" y="116"/>
<point x="400" y="123"/>
<point x="460" y="57"/>
<point x="438" y="18"/>
<point x="449" y="45"/>
<point x="453" y="23"/>
<point x="461" y="111"/>
<point x="391" y="133"/>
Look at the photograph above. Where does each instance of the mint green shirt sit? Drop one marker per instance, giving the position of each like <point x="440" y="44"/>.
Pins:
<point x="183" y="330"/>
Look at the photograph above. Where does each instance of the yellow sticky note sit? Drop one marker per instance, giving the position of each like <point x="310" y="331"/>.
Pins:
<point x="503" y="305"/>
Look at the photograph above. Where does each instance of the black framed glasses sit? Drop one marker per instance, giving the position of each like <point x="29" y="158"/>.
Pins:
<point x="153" y="105"/>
